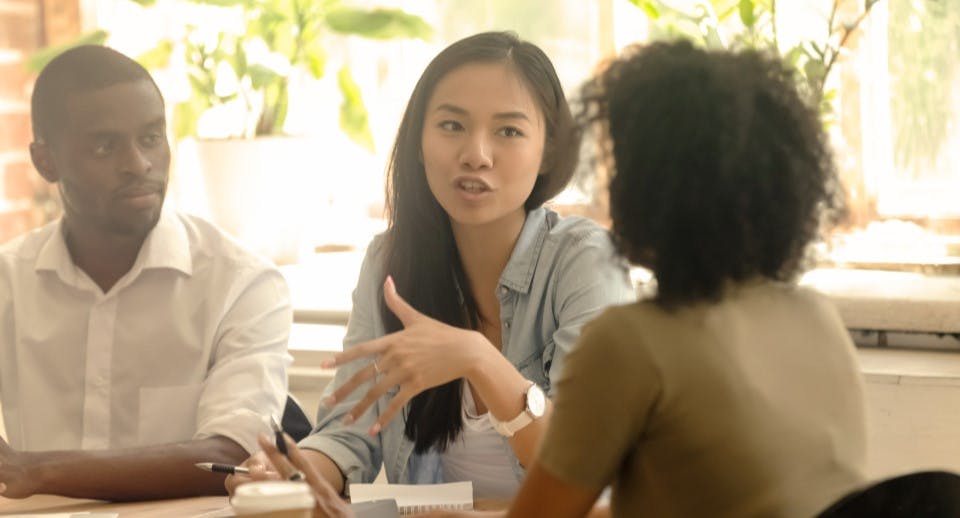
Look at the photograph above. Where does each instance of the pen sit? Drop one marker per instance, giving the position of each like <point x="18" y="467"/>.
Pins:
<point x="282" y="446"/>
<point x="222" y="468"/>
<point x="278" y="435"/>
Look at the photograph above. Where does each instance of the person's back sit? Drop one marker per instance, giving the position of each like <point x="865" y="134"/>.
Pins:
<point x="731" y="391"/>
<point x="752" y="406"/>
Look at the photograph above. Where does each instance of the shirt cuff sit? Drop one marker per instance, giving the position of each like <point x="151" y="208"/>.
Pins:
<point x="354" y="470"/>
<point x="240" y="426"/>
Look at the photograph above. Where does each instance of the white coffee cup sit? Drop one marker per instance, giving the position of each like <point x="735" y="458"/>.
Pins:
<point x="273" y="499"/>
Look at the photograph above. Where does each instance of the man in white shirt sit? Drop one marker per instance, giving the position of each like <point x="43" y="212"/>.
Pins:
<point x="134" y="342"/>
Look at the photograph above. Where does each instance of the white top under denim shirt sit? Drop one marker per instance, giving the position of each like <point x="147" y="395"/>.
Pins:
<point x="190" y="343"/>
<point x="562" y="272"/>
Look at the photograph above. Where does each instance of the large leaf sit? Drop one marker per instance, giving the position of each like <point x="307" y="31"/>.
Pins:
<point x="157" y="57"/>
<point x="315" y="57"/>
<point x="186" y="115"/>
<point x="649" y="8"/>
<point x="37" y="61"/>
<point x="746" y="13"/>
<point x="261" y="76"/>
<point x="353" y="113"/>
<point x="379" y="23"/>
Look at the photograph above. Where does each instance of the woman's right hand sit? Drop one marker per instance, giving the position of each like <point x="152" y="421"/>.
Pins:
<point x="329" y="504"/>
<point x="260" y="469"/>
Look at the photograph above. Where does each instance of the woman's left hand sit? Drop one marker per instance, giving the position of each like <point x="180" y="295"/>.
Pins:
<point x="426" y="353"/>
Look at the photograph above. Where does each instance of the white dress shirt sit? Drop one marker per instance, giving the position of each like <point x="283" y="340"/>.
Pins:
<point x="190" y="343"/>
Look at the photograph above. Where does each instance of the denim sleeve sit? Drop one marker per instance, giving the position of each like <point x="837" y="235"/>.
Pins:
<point x="358" y="455"/>
<point x="590" y="277"/>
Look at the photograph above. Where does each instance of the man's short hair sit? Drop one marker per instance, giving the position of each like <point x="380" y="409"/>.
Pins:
<point x="80" y="69"/>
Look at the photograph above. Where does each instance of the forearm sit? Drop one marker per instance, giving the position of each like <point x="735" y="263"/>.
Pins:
<point x="152" y="472"/>
<point x="501" y="387"/>
<point x="327" y="469"/>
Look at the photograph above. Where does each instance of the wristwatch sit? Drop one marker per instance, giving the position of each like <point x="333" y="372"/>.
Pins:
<point x="534" y="405"/>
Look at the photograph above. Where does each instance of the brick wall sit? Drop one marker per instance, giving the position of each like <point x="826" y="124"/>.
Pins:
<point x="26" y="201"/>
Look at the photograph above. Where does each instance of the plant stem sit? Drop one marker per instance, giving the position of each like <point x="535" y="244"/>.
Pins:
<point x="847" y="31"/>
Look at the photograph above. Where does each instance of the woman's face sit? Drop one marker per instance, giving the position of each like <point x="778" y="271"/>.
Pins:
<point x="482" y="143"/>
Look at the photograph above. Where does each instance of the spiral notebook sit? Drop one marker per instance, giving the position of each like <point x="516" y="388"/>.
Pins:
<point x="418" y="498"/>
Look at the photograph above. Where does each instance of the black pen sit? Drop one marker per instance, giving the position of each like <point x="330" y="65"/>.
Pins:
<point x="222" y="468"/>
<point x="282" y="447"/>
<point x="278" y="436"/>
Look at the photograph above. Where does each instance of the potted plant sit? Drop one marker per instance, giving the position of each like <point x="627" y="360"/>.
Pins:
<point x="256" y="175"/>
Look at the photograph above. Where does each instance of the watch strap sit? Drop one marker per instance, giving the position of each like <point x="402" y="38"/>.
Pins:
<point x="508" y="428"/>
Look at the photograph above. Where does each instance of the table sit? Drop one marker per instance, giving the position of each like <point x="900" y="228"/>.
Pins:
<point x="201" y="506"/>
<point x="195" y="507"/>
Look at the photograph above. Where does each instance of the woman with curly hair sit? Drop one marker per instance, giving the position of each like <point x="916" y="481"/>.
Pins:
<point x="732" y="391"/>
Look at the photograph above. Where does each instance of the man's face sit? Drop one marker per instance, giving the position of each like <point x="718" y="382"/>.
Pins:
<point x="111" y="159"/>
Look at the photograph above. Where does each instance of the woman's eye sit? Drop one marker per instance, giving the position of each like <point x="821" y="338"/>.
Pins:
<point x="510" y="131"/>
<point x="451" y="126"/>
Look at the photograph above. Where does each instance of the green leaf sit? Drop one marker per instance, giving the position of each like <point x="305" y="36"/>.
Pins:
<point x="712" y="38"/>
<point x="37" y="61"/>
<point x="815" y="71"/>
<point x="261" y="76"/>
<point x="157" y="57"/>
<point x="315" y="58"/>
<point x="239" y="58"/>
<point x="353" y="113"/>
<point x="219" y="3"/>
<point x="648" y="7"/>
<point x="378" y="23"/>
<point x="746" y="13"/>
<point x="185" y="117"/>
<point x="792" y="56"/>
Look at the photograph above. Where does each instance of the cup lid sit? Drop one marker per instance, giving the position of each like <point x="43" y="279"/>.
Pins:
<point x="271" y="495"/>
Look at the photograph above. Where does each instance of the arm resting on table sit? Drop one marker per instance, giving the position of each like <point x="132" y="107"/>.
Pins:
<point x="145" y="473"/>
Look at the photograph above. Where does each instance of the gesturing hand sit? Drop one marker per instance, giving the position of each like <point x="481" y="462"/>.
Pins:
<point x="425" y="354"/>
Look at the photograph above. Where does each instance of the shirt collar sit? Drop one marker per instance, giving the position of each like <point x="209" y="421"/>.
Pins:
<point x="166" y="246"/>
<point x="518" y="273"/>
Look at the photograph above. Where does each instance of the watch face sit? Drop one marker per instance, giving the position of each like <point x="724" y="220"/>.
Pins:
<point x="536" y="401"/>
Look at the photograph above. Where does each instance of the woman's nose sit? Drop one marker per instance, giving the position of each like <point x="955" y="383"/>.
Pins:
<point x="476" y="153"/>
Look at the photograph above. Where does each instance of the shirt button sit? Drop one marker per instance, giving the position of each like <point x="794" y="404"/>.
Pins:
<point x="503" y="290"/>
<point x="100" y="381"/>
<point x="506" y="324"/>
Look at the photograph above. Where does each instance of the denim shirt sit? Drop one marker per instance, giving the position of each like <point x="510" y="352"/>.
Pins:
<point x="562" y="272"/>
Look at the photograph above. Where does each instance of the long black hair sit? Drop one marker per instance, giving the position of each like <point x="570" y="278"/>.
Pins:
<point x="420" y="252"/>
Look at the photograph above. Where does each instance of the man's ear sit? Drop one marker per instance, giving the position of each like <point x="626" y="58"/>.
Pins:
<point x="42" y="159"/>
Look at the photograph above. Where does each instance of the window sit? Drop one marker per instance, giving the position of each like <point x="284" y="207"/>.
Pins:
<point x="896" y="128"/>
<point x="903" y="138"/>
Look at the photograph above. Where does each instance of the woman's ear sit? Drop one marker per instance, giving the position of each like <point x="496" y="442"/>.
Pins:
<point x="42" y="159"/>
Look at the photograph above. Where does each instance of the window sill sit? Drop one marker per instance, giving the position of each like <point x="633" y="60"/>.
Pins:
<point x="891" y="301"/>
<point x="867" y="300"/>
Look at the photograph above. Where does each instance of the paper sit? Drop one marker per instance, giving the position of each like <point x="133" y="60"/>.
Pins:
<point x="418" y="498"/>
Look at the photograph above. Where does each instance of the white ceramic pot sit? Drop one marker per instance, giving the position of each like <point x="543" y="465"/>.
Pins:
<point x="260" y="190"/>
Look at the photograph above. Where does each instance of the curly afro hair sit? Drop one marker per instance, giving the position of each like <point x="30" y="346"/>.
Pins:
<point x="721" y="171"/>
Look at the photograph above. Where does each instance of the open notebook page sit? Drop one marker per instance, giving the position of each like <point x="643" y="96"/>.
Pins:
<point x="416" y="498"/>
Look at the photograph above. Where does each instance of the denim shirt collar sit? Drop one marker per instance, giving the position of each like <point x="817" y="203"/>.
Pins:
<point x="518" y="273"/>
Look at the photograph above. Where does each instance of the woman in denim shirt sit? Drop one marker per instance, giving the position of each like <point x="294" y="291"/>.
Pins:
<point x="473" y="280"/>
